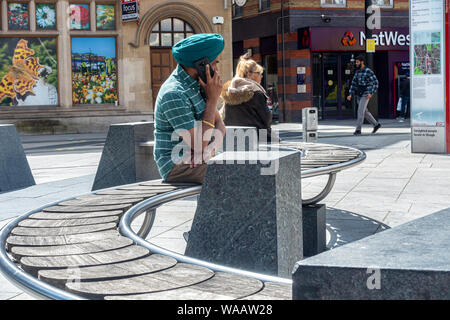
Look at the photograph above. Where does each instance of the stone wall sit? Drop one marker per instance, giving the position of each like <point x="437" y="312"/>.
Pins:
<point x="133" y="53"/>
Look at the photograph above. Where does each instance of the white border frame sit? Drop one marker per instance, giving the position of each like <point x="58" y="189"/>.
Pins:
<point x="386" y="6"/>
<point x="328" y="5"/>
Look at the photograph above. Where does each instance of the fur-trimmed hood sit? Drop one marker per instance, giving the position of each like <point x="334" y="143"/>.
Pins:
<point x="240" y="90"/>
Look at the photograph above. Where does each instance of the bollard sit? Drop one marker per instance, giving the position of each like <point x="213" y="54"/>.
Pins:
<point x="15" y="172"/>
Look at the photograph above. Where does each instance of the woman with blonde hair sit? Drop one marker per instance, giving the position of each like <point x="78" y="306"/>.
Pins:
<point x="245" y="100"/>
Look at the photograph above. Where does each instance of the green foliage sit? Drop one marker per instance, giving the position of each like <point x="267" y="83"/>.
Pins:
<point x="46" y="52"/>
<point x="5" y="60"/>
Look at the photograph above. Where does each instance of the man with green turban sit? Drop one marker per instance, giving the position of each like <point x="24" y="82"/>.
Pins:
<point x="188" y="126"/>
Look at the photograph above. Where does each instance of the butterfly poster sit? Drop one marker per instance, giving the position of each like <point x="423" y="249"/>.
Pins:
<point x="28" y="71"/>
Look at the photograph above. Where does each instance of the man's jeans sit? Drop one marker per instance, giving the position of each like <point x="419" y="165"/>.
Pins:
<point x="363" y="112"/>
<point x="405" y="102"/>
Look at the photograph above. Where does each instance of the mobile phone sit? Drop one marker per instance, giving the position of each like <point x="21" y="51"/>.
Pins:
<point x="200" y="65"/>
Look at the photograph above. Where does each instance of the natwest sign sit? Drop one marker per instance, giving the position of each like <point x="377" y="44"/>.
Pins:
<point x="351" y="39"/>
<point x="386" y="38"/>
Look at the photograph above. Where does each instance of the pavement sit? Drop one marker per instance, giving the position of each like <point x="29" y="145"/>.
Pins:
<point x="391" y="187"/>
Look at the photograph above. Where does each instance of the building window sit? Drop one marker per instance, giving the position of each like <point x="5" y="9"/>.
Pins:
<point x="237" y="11"/>
<point x="18" y="16"/>
<point x="334" y="3"/>
<point x="105" y="16"/>
<point x="168" y="32"/>
<point x="264" y="5"/>
<point x="94" y="70"/>
<point x="45" y="16"/>
<point x="37" y="82"/>
<point x="79" y="17"/>
<point x="383" y="3"/>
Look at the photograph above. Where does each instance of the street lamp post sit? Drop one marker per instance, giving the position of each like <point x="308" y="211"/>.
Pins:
<point x="373" y="103"/>
<point x="368" y="32"/>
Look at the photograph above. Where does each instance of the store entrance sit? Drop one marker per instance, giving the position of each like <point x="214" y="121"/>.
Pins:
<point x="337" y="74"/>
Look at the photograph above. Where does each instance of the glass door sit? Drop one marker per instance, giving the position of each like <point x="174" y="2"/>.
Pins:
<point x="347" y="108"/>
<point x="331" y="99"/>
<point x="338" y="71"/>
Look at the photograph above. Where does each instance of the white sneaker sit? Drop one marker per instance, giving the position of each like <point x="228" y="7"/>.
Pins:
<point x="401" y="120"/>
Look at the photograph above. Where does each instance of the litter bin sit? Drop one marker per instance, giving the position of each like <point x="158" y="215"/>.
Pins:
<point x="310" y="124"/>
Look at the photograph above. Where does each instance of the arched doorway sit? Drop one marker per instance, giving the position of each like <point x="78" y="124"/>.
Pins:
<point x="164" y="35"/>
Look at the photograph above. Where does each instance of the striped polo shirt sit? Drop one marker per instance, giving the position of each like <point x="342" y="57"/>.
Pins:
<point x="179" y="105"/>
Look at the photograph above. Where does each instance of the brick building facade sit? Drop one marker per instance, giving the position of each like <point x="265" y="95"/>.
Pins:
<point x="309" y="64"/>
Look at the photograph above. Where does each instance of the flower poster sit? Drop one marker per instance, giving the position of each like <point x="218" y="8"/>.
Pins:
<point x="18" y="16"/>
<point x="94" y="70"/>
<point x="45" y="16"/>
<point x="79" y="16"/>
<point x="28" y="71"/>
<point x="106" y="17"/>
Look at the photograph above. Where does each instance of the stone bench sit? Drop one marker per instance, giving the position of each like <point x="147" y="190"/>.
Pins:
<point x="127" y="156"/>
<point x="72" y="249"/>
<point x="407" y="262"/>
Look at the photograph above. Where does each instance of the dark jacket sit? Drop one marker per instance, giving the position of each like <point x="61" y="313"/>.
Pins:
<point x="404" y="88"/>
<point x="247" y="108"/>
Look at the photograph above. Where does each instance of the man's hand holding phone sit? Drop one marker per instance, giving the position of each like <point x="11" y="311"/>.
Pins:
<point x="212" y="87"/>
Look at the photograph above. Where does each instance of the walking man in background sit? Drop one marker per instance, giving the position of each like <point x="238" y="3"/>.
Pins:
<point x="364" y="85"/>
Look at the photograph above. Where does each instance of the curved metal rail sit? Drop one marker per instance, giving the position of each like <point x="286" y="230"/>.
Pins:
<point x="330" y="170"/>
<point x="151" y="205"/>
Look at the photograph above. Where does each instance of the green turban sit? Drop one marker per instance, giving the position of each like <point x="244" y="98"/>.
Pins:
<point x="196" y="47"/>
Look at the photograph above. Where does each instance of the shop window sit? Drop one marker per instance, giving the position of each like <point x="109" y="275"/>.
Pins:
<point x="79" y="16"/>
<point x="334" y="3"/>
<point x="383" y="3"/>
<point x="94" y="70"/>
<point x="37" y="82"/>
<point x="236" y="11"/>
<point x="264" y="5"/>
<point x="168" y="32"/>
<point x="18" y="16"/>
<point x="105" y="16"/>
<point x="45" y="16"/>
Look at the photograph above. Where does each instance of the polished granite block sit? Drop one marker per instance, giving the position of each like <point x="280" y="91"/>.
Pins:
<point x="123" y="159"/>
<point x="249" y="213"/>
<point x="314" y="229"/>
<point x="15" y="172"/>
<point x="408" y="262"/>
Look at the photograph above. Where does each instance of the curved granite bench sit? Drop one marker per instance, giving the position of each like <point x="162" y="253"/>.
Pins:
<point x="73" y="249"/>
